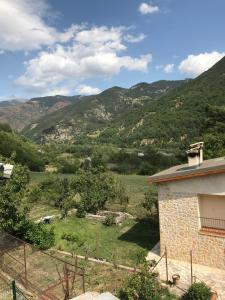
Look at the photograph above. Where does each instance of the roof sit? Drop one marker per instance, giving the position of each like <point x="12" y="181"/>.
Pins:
<point x="208" y="167"/>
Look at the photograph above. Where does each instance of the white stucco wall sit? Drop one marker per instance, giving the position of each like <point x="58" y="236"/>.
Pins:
<point x="211" y="184"/>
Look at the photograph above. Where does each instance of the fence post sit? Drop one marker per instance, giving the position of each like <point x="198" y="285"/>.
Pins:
<point x="14" y="289"/>
<point x="191" y="267"/>
<point x="25" y="262"/>
<point x="167" y="276"/>
<point x="83" y="280"/>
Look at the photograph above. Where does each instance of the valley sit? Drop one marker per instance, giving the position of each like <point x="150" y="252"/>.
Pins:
<point x="80" y="156"/>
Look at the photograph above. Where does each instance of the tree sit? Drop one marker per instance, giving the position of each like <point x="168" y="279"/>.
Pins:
<point x="13" y="207"/>
<point x="150" y="202"/>
<point x="96" y="189"/>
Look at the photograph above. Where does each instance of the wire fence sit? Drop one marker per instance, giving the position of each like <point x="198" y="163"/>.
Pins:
<point x="41" y="273"/>
<point x="5" y="290"/>
<point x="9" y="290"/>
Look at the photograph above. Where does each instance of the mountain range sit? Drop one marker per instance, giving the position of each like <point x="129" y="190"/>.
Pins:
<point x="91" y="114"/>
<point x="18" y="114"/>
<point x="165" y="114"/>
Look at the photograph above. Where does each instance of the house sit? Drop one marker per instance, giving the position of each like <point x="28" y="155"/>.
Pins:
<point x="6" y="170"/>
<point x="192" y="209"/>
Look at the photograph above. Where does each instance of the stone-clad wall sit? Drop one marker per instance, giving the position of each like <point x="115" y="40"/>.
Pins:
<point x="179" y="230"/>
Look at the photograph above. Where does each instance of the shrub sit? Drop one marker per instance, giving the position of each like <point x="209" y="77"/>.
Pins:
<point x="143" y="285"/>
<point x="37" y="234"/>
<point x="139" y="256"/>
<point x="41" y="237"/>
<point x="109" y="220"/>
<point x="81" y="212"/>
<point x="150" y="202"/>
<point x="69" y="166"/>
<point x="198" y="291"/>
<point x="71" y="237"/>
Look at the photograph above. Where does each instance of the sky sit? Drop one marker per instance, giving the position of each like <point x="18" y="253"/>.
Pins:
<point x="70" y="47"/>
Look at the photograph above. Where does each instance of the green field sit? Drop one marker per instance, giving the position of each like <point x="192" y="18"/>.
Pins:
<point x="119" y="243"/>
<point x="41" y="210"/>
<point x="36" y="177"/>
<point x="135" y="185"/>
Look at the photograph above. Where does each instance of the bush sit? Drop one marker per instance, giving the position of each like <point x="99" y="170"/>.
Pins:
<point x="139" y="256"/>
<point x="68" y="166"/>
<point x="109" y="220"/>
<point x="198" y="291"/>
<point x="143" y="285"/>
<point x="71" y="237"/>
<point x="41" y="237"/>
<point x="36" y="234"/>
<point x="81" y="212"/>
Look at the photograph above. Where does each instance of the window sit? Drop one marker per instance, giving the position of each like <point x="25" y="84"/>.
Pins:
<point x="212" y="212"/>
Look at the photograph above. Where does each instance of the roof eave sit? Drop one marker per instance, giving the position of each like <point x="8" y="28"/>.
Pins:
<point x="158" y="179"/>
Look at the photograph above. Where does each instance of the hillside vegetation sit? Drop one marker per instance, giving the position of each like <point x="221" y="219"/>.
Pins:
<point x="183" y="113"/>
<point x="87" y="117"/>
<point x="178" y="118"/>
<point x="19" y="114"/>
<point x="18" y="148"/>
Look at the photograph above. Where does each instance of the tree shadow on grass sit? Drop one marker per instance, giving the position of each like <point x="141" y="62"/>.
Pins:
<point x="145" y="233"/>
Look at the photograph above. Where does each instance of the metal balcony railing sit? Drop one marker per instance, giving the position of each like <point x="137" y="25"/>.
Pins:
<point x="212" y="223"/>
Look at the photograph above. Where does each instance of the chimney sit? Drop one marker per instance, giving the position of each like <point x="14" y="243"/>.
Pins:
<point x="195" y="154"/>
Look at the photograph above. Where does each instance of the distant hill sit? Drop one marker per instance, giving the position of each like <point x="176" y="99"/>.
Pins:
<point x="6" y="103"/>
<point x="166" y="115"/>
<point x="176" y="118"/>
<point x="19" y="114"/>
<point x="91" y="114"/>
<point x="17" y="147"/>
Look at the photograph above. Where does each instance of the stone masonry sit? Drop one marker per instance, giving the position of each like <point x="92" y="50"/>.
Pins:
<point x="179" y="230"/>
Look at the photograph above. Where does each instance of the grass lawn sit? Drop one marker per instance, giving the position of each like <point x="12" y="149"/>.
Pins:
<point x="36" y="177"/>
<point x="136" y="186"/>
<point x="115" y="243"/>
<point x="42" y="210"/>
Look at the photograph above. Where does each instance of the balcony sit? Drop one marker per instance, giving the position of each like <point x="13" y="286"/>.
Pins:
<point x="212" y="226"/>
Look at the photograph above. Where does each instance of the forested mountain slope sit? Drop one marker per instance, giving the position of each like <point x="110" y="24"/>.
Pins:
<point x="19" y="149"/>
<point x="92" y="113"/>
<point x="188" y="113"/>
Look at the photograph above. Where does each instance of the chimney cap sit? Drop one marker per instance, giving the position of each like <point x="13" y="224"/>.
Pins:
<point x="197" y="145"/>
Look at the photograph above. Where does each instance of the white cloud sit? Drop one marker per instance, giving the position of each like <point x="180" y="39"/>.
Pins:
<point x="159" y="67"/>
<point x="2" y="51"/>
<point x="168" y="68"/>
<point x="87" y="90"/>
<point x="57" y="91"/>
<point x="147" y="8"/>
<point x="95" y="52"/>
<point x="23" y="27"/>
<point x="135" y="39"/>
<point x="194" y="65"/>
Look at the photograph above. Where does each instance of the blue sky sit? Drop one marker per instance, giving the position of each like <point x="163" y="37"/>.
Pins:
<point x="70" y="47"/>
